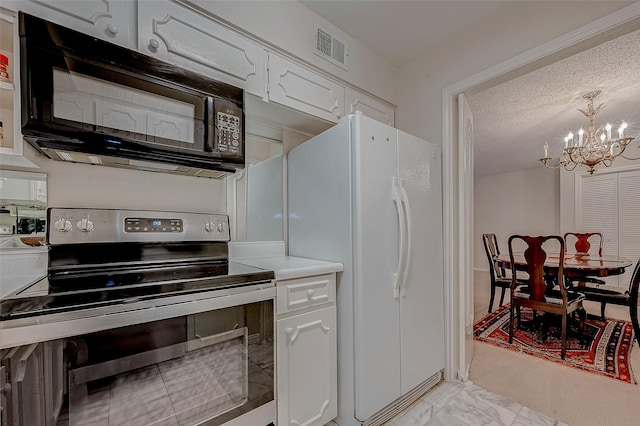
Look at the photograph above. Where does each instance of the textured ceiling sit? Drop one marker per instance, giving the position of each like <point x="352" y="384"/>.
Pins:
<point x="513" y="120"/>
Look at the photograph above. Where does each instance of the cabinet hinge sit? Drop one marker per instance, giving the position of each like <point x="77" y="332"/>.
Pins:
<point x="266" y="79"/>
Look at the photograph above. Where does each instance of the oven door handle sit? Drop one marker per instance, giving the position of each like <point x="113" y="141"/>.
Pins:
<point x="205" y="341"/>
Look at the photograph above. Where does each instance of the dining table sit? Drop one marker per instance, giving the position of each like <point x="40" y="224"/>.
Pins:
<point x="575" y="265"/>
<point x="582" y="265"/>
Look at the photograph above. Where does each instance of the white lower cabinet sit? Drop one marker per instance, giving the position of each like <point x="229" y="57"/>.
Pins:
<point x="306" y="364"/>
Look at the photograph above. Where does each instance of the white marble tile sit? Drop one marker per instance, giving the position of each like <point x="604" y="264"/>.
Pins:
<point x="528" y="417"/>
<point x="466" y="408"/>
<point x="466" y="404"/>
<point x="492" y="398"/>
<point x="442" y="418"/>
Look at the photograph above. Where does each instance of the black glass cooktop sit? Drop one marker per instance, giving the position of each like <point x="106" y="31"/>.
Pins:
<point x="64" y="292"/>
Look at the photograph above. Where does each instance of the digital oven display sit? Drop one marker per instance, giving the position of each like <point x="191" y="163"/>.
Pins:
<point x="135" y="224"/>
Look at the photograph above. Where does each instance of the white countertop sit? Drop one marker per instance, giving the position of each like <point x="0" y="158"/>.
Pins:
<point x="271" y="255"/>
<point x="289" y="267"/>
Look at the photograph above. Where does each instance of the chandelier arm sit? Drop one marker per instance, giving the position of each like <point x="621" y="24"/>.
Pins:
<point x="628" y="158"/>
<point x="566" y="166"/>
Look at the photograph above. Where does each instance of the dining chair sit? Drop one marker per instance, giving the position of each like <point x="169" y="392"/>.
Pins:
<point x="582" y="243"/>
<point x="627" y="298"/>
<point x="497" y="273"/>
<point x="536" y="295"/>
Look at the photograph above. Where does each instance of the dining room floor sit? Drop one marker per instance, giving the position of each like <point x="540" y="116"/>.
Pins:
<point x="572" y="396"/>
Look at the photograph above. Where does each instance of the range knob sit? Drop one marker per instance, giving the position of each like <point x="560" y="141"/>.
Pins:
<point x="221" y="226"/>
<point x="63" y="225"/>
<point x="85" y="225"/>
<point x="210" y="226"/>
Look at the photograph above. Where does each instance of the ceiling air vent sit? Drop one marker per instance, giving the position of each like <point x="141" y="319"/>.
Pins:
<point x="330" y="47"/>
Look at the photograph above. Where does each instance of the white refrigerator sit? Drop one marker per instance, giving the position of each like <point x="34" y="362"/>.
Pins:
<point x="369" y="196"/>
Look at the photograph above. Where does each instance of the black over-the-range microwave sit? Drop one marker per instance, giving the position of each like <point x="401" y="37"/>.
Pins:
<point x="89" y="101"/>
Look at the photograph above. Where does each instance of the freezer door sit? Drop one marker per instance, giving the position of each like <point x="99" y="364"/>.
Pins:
<point x="421" y="292"/>
<point x="376" y="253"/>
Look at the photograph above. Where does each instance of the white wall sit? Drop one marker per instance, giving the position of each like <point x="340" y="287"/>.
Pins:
<point x="525" y="202"/>
<point x="289" y="25"/>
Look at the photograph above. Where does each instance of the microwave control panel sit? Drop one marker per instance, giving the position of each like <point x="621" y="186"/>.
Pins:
<point x="228" y="128"/>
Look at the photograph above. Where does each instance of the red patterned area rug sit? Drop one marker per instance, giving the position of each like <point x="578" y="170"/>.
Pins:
<point x="605" y="352"/>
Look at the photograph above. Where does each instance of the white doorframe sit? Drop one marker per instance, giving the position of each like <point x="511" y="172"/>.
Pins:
<point x="453" y="184"/>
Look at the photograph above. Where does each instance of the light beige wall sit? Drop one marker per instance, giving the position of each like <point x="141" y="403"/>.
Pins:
<point x="82" y="185"/>
<point x="525" y="202"/>
<point x="289" y="25"/>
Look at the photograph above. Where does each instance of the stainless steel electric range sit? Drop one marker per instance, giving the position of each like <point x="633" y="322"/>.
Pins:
<point x="141" y="319"/>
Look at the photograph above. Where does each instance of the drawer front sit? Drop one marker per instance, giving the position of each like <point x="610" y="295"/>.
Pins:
<point x="305" y="292"/>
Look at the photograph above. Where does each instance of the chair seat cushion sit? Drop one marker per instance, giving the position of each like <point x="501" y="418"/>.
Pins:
<point x="554" y="296"/>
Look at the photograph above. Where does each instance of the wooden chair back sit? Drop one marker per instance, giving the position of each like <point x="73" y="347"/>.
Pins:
<point x="536" y="256"/>
<point x="492" y="250"/>
<point x="582" y="244"/>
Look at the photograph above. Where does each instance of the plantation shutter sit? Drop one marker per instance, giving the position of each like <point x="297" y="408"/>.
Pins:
<point x="629" y="195"/>
<point x="599" y="213"/>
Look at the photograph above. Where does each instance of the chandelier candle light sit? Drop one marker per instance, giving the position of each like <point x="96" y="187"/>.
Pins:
<point x="593" y="146"/>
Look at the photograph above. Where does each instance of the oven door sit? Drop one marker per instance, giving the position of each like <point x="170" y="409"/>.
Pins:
<point x="206" y="367"/>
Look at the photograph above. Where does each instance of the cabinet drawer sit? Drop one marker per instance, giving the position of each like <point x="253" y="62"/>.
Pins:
<point x="305" y="292"/>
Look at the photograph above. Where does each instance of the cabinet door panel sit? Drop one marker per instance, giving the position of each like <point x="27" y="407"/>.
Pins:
<point x="110" y="20"/>
<point x="191" y="40"/>
<point x="356" y="101"/>
<point x="307" y="368"/>
<point x="301" y="89"/>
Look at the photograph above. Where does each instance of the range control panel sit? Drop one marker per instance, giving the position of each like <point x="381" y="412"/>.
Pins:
<point x="76" y="225"/>
<point x="146" y="224"/>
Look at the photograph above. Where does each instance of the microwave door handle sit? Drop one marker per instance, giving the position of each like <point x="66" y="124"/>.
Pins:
<point x="210" y="137"/>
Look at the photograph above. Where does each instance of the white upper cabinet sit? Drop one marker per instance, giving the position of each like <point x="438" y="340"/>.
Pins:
<point x="11" y="142"/>
<point x="302" y="89"/>
<point x="357" y="101"/>
<point x="188" y="39"/>
<point x="110" y="20"/>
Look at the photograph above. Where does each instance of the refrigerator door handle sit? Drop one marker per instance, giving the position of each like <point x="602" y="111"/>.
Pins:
<point x="397" y="199"/>
<point x="407" y="239"/>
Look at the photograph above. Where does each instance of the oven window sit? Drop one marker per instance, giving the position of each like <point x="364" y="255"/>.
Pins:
<point x="211" y="366"/>
<point x="119" y="110"/>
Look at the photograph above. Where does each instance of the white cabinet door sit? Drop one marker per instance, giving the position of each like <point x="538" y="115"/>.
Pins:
<point x="11" y="142"/>
<point x="303" y="90"/>
<point x="110" y="20"/>
<point x="357" y="101"/>
<point x="186" y="38"/>
<point x="307" y="368"/>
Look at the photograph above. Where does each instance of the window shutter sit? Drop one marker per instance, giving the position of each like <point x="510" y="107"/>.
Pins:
<point x="599" y="212"/>
<point x="629" y="190"/>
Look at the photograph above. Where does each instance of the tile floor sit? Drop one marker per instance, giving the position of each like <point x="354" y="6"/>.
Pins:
<point x="464" y="404"/>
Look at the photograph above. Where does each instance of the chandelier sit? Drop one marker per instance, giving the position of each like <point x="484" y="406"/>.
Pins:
<point x="591" y="147"/>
